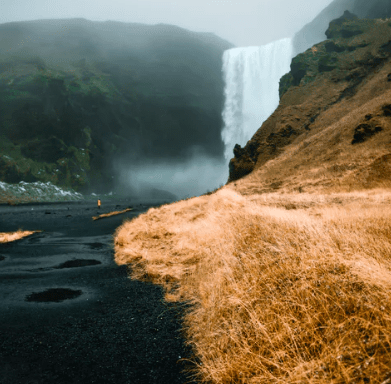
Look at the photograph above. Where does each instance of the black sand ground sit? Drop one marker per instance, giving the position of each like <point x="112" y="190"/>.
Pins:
<point x="69" y="314"/>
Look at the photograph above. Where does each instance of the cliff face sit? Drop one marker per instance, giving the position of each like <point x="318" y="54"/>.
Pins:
<point x="76" y="95"/>
<point x="314" y="32"/>
<point x="332" y="128"/>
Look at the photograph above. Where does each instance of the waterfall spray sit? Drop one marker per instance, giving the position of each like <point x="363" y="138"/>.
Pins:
<point x="251" y="77"/>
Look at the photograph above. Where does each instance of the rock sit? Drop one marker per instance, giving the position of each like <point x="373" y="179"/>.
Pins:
<point x="238" y="151"/>
<point x="363" y="132"/>
<point x="387" y="110"/>
<point x="240" y="167"/>
<point x="341" y="28"/>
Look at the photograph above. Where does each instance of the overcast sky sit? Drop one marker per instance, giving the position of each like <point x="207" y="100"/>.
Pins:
<point x="242" y="22"/>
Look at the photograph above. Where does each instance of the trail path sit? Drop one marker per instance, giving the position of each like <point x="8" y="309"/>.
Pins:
<point x="69" y="314"/>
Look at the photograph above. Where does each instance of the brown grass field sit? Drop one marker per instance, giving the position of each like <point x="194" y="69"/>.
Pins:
<point x="283" y="287"/>
<point x="110" y="214"/>
<point x="7" y="237"/>
<point x="288" y="269"/>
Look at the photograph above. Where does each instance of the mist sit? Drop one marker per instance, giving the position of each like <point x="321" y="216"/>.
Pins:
<point x="173" y="147"/>
<point x="194" y="176"/>
<point x="243" y="23"/>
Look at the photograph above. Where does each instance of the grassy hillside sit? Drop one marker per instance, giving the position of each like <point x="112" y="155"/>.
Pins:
<point x="287" y="269"/>
<point x="284" y="288"/>
<point x="77" y="95"/>
<point x="332" y="127"/>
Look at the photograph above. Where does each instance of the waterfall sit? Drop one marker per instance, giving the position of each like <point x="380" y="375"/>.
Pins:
<point x="252" y="76"/>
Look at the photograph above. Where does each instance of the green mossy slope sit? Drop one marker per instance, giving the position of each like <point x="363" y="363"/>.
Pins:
<point x="78" y="96"/>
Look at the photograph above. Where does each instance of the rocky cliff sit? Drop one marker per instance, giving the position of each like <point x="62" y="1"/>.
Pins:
<point x="77" y="96"/>
<point x="332" y="128"/>
<point x="314" y="32"/>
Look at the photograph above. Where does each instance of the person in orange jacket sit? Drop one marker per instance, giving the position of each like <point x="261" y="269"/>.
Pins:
<point x="99" y="203"/>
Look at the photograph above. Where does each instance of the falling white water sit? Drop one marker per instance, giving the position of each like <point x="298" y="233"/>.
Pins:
<point x="252" y="76"/>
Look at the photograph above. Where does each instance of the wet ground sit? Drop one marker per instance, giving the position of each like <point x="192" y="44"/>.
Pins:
<point x="69" y="314"/>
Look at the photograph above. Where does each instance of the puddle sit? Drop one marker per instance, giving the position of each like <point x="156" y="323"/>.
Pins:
<point x="55" y="295"/>
<point x="78" y="263"/>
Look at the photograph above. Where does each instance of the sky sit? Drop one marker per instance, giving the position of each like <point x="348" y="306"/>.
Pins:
<point x="241" y="22"/>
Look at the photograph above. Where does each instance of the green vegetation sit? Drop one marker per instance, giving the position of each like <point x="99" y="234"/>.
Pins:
<point x="341" y="54"/>
<point x="76" y="95"/>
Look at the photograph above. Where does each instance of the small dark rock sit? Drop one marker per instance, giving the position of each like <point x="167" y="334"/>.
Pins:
<point x="47" y="212"/>
<point x="389" y="77"/>
<point x="363" y="132"/>
<point x="387" y="110"/>
<point x="238" y="151"/>
<point x="2" y="258"/>
<point x="368" y="117"/>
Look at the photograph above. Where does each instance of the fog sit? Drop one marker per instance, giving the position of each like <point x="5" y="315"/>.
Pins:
<point x="243" y="23"/>
<point x="192" y="177"/>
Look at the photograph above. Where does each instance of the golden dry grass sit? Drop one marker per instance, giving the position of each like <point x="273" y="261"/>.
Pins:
<point x="110" y="214"/>
<point x="284" y="288"/>
<point x="7" y="237"/>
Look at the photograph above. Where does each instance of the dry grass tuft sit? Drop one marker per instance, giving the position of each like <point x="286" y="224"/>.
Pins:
<point x="7" y="237"/>
<point x="284" y="288"/>
<point x="110" y="214"/>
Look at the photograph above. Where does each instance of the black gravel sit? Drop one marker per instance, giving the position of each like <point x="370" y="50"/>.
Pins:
<point x="69" y="314"/>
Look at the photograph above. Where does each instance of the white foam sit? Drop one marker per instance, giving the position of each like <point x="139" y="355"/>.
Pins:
<point x="42" y="191"/>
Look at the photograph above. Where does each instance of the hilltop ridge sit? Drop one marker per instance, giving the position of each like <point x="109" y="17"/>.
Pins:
<point x="314" y="32"/>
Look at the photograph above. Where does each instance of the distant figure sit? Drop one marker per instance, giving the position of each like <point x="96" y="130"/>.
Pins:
<point x="99" y="203"/>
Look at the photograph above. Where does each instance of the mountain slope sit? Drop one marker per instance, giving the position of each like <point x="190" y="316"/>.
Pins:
<point x="77" y="96"/>
<point x="332" y="129"/>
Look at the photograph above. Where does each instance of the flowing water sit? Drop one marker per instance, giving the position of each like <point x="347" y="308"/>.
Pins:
<point x="252" y="76"/>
